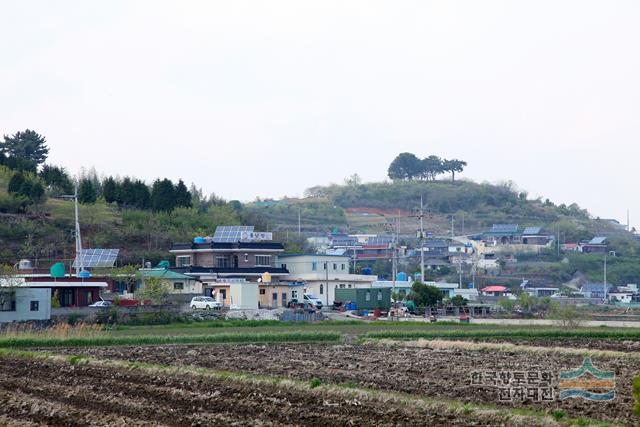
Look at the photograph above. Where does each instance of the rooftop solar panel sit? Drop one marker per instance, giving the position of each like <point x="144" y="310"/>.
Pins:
<point x="92" y="258"/>
<point x="230" y="234"/>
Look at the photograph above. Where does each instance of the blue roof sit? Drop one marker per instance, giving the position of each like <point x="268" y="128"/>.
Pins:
<point x="531" y="231"/>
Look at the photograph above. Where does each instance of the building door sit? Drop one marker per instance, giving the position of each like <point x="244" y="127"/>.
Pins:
<point x="274" y="300"/>
<point x="223" y="295"/>
<point x="235" y="261"/>
<point x="284" y="299"/>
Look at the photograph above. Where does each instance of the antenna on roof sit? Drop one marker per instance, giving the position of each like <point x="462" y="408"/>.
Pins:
<point x="79" y="264"/>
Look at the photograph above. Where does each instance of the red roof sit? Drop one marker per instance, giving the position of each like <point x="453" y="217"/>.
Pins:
<point x="494" y="288"/>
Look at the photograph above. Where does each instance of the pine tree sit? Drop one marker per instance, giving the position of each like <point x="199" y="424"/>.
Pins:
<point x="182" y="195"/>
<point x="27" y="145"/>
<point x="110" y="190"/>
<point x="162" y="195"/>
<point x="86" y="192"/>
<point x="15" y="183"/>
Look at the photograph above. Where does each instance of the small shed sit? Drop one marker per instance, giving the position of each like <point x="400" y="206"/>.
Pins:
<point x="366" y="298"/>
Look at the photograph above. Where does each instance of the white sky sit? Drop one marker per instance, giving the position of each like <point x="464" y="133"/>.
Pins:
<point x="267" y="98"/>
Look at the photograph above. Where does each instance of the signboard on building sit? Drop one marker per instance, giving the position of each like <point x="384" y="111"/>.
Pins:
<point x="250" y="235"/>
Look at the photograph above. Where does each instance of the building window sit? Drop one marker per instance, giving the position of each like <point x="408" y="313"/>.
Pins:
<point x="349" y="286"/>
<point x="379" y="295"/>
<point x="367" y="296"/>
<point x="178" y="286"/>
<point x="35" y="305"/>
<point x="343" y="266"/>
<point x="274" y="297"/>
<point x="335" y="266"/>
<point x="294" y="294"/>
<point x="222" y="262"/>
<point x="283" y="266"/>
<point x="341" y="285"/>
<point x="263" y="260"/>
<point x="321" y="289"/>
<point x="263" y="291"/>
<point x="325" y="265"/>
<point x="183" y="260"/>
<point x="314" y="266"/>
<point x="284" y="298"/>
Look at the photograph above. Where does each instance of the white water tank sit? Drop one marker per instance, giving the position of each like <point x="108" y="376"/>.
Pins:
<point x="25" y="264"/>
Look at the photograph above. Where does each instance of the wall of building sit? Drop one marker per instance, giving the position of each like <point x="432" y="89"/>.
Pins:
<point x="24" y="298"/>
<point x="305" y="264"/>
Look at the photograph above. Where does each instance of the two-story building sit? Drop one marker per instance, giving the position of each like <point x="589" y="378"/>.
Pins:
<point x="231" y="263"/>
<point x="321" y="274"/>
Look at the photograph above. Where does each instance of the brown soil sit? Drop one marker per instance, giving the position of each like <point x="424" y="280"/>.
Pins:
<point x="46" y="392"/>
<point x="598" y="344"/>
<point x="442" y="374"/>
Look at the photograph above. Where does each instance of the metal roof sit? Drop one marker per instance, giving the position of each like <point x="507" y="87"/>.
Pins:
<point x="598" y="240"/>
<point x="504" y="228"/>
<point x="531" y="231"/>
<point x="163" y="274"/>
<point x="494" y="288"/>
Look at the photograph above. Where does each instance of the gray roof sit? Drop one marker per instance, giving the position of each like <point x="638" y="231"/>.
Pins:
<point x="598" y="240"/>
<point x="594" y="287"/>
<point x="504" y="229"/>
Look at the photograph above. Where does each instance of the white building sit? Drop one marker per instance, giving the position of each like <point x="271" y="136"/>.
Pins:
<point x="322" y="274"/>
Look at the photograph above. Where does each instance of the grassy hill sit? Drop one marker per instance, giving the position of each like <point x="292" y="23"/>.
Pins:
<point x="473" y="207"/>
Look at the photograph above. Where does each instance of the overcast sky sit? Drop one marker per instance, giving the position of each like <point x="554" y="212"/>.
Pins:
<point x="267" y="98"/>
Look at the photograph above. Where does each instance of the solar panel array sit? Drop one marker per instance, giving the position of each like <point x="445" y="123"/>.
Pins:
<point x="505" y="228"/>
<point x="230" y="234"/>
<point x="92" y="258"/>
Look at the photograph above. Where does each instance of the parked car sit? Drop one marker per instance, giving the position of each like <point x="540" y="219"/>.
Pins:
<point x="204" y="302"/>
<point x="101" y="304"/>
<point x="313" y="301"/>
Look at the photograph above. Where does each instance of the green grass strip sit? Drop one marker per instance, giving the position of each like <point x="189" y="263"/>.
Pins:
<point x="162" y="340"/>
<point x="505" y="334"/>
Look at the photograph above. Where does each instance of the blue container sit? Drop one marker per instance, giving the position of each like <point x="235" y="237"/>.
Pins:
<point x="365" y="312"/>
<point x="417" y="277"/>
<point x="199" y="240"/>
<point x="85" y="274"/>
<point x="401" y="277"/>
<point x="367" y="271"/>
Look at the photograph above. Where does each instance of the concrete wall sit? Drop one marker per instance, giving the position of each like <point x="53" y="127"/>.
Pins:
<point x="24" y="297"/>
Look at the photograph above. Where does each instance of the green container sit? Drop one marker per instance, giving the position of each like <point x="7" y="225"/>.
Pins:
<point x="366" y="298"/>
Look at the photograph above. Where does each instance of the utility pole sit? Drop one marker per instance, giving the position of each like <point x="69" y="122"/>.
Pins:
<point x="394" y="247"/>
<point x="326" y="269"/>
<point x="421" y="215"/>
<point x="299" y="220"/>
<point x="628" y="224"/>
<point x="605" y="278"/>
<point x="452" y="232"/>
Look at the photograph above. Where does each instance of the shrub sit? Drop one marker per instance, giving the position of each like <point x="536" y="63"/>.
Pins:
<point x="315" y="382"/>
<point x="73" y="318"/>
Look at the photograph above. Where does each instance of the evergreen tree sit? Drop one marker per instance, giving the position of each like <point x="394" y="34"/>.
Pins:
<point x="37" y="193"/>
<point x="27" y="145"/>
<point x="86" y="192"/>
<point x="162" y="195"/>
<point x="405" y="166"/>
<point x="15" y="183"/>
<point x="126" y="195"/>
<point x="142" y="195"/>
<point x="182" y="195"/>
<point x="56" y="179"/>
<point x="110" y="190"/>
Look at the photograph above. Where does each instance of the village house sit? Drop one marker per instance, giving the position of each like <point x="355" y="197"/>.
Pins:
<point x="322" y="274"/>
<point x="230" y="264"/>
<point x="496" y="291"/>
<point x="502" y="234"/>
<point x="595" y="290"/>
<point x="176" y="283"/>
<point x="536" y="289"/>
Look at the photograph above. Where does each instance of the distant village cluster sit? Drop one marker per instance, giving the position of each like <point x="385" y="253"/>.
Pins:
<point x="240" y="268"/>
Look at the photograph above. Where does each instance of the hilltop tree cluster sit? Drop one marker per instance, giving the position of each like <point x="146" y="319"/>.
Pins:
<point x="407" y="166"/>
<point x="30" y="180"/>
